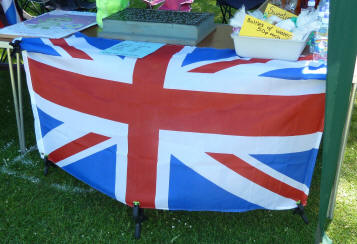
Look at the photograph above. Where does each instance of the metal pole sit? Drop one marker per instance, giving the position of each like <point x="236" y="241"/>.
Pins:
<point x="19" y="90"/>
<point x="13" y="85"/>
<point x="332" y="204"/>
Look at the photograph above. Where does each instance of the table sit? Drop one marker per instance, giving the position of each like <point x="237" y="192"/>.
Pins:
<point x="184" y="128"/>
<point x="132" y="114"/>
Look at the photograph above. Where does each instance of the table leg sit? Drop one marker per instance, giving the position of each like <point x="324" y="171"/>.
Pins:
<point x="17" y="112"/>
<point x="19" y="89"/>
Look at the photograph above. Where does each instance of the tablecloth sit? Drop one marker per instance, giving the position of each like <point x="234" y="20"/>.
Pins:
<point x="183" y="128"/>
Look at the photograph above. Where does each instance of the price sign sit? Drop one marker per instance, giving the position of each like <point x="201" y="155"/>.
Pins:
<point x="258" y="28"/>
<point x="281" y="13"/>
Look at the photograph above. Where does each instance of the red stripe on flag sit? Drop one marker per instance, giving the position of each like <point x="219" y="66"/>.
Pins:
<point x="218" y="66"/>
<point x="259" y="177"/>
<point x="143" y="136"/>
<point x="76" y="146"/>
<point x="72" y="51"/>
<point x="193" y="111"/>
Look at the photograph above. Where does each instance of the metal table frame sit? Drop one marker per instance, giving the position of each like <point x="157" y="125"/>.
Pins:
<point x="16" y="92"/>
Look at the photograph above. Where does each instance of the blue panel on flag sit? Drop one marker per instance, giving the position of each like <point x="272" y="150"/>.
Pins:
<point x="298" y="166"/>
<point x="206" y="54"/>
<point x="38" y="46"/>
<point x="47" y="122"/>
<point x="190" y="191"/>
<point x="97" y="170"/>
<point x="304" y="73"/>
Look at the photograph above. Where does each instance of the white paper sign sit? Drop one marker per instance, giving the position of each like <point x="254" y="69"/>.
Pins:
<point x="133" y="49"/>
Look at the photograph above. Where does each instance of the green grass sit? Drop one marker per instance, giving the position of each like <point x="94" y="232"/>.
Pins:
<point x="60" y="209"/>
<point x="344" y="224"/>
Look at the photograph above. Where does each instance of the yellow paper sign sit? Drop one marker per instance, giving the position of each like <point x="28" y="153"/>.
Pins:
<point x="281" y="13"/>
<point x="258" y="28"/>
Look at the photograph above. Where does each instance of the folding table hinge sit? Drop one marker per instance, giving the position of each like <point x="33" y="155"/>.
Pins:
<point x="16" y="48"/>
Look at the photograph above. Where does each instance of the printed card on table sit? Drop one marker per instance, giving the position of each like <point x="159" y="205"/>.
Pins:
<point x="133" y="49"/>
<point x="258" y="28"/>
<point x="281" y="13"/>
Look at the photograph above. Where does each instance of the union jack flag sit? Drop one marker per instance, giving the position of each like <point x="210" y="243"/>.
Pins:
<point x="183" y="128"/>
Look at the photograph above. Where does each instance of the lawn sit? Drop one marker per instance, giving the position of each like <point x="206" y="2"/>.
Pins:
<point x="60" y="209"/>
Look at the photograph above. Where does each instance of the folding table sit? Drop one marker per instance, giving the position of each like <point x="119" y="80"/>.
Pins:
<point x="244" y="132"/>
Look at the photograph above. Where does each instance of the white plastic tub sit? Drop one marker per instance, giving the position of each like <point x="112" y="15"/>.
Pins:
<point x="257" y="47"/>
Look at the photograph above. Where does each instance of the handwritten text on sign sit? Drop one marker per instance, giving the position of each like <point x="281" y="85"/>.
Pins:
<point x="281" y="13"/>
<point x="258" y="28"/>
